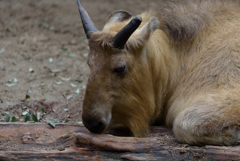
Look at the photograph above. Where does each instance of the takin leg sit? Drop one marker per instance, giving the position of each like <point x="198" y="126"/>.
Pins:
<point x="213" y="119"/>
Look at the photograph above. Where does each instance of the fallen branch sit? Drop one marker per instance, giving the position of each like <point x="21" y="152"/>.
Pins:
<point x="73" y="142"/>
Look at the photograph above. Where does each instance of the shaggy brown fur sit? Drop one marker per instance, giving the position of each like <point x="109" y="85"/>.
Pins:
<point x="184" y="72"/>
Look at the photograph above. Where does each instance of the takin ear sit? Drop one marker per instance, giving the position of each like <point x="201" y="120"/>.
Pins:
<point x="117" y="16"/>
<point x="147" y="30"/>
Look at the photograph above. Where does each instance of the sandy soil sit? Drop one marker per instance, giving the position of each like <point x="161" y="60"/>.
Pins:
<point x="43" y="52"/>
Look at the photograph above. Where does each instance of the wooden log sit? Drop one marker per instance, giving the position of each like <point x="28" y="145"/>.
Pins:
<point x="20" y="141"/>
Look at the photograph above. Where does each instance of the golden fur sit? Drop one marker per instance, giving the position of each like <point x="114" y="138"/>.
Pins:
<point x="185" y="74"/>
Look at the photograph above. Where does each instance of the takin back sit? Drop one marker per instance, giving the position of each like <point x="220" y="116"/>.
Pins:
<point x="178" y="66"/>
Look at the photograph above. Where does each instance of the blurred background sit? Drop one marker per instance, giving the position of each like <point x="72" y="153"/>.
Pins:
<point x="43" y="52"/>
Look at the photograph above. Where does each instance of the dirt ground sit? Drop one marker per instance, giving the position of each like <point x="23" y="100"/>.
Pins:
<point x="43" y="52"/>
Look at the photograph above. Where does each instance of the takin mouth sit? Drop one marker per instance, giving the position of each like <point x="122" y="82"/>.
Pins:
<point x="96" y="127"/>
<point x="119" y="132"/>
<point x="101" y="127"/>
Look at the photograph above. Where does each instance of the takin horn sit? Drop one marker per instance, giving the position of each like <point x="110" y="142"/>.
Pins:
<point x="123" y="35"/>
<point x="86" y="21"/>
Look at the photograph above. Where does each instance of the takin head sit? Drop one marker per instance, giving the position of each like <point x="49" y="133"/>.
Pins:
<point x="120" y="92"/>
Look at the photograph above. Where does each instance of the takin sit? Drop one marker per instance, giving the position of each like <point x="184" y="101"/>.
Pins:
<point x="177" y="66"/>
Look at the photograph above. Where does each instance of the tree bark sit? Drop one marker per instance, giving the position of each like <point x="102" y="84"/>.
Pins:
<point x="20" y="141"/>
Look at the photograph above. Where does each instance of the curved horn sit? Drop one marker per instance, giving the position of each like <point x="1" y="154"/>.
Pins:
<point x="86" y="21"/>
<point x="123" y="35"/>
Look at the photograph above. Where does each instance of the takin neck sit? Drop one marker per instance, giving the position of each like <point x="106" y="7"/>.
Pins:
<point x="165" y="67"/>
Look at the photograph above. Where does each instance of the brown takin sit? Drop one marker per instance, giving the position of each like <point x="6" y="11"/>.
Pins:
<point x="178" y="66"/>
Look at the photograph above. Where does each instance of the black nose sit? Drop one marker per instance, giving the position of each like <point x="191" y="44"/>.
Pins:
<point x="96" y="127"/>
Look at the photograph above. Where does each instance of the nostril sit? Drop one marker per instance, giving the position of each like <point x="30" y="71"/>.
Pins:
<point x="96" y="127"/>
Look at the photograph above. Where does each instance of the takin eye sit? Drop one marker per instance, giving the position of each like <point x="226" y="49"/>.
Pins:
<point x="120" y="70"/>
